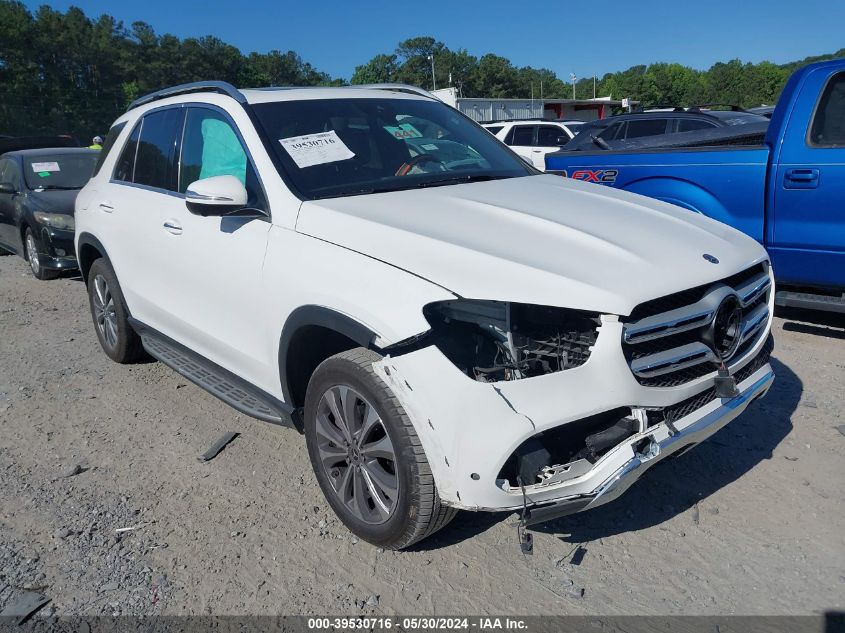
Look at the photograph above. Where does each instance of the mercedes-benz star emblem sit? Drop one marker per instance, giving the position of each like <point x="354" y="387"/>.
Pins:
<point x="710" y="258"/>
<point x="725" y="331"/>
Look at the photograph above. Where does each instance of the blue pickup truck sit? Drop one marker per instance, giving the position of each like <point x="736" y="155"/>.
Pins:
<point x="787" y="190"/>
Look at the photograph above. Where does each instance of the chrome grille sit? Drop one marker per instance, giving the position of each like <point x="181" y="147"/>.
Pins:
<point x="663" y="340"/>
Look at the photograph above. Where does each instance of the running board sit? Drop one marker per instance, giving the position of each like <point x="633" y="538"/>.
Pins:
<point x="219" y="382"/>
<point x="810" y="301"/>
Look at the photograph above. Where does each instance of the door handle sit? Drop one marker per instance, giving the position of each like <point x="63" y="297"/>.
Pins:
<point x="801" y="178"/>
<point x="537" y="151"/>
<point x="106" y="206"/>
<point x="172" y="226"/>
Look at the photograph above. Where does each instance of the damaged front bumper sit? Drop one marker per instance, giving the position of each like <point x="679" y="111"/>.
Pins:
<point x="641" y="452"/>
<point x="469" y="429"/>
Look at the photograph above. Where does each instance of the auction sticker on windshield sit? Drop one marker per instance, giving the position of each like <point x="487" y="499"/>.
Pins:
<point x="403" y="131"/>
<point x="51" y="166"/>
<point x="316" y="149"/>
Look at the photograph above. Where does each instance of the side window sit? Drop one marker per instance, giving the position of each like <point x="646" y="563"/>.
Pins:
<point x="550" y="135"/>
<point x="111" y="137"/>
<point x="156" y="162"/>
<point x="125" y="168"/>
<point x="610" y="132"/>
<point x="494" y="129"/>
<point x="645" y="127"/>
<point x="522" y="135"/>
<point x="828" y="126"/>
<point x="690" y="125"/>
<point x="10" y="173"/>
<point x="212" y="148"/>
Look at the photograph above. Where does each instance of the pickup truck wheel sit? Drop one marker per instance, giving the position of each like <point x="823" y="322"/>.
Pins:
<point x="111" y="317"/>
<point x="367" y="457"/>
<point x="31" y="248"/>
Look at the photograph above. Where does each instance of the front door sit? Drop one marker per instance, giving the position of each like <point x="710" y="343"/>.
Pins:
<point x="214" y="263"/>
<point x="550" y="138"/>
<point x="9" y="174"/>
<point x="808" y="219"/>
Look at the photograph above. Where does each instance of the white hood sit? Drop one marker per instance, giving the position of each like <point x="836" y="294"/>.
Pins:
<point x="540" y="239"/>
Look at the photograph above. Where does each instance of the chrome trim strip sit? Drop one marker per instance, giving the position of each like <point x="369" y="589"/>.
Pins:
<point x="682" y="323"/>
<point x="672" y="360"/>
<point x="753" y="322"/>
<point x="751" y="291"/>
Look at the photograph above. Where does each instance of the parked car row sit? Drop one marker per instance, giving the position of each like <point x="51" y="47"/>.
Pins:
<point x="38" y="187"/>
<point x="534" y="139"/>
<point x="784" y="187"/>
<point x="448" y="327"/>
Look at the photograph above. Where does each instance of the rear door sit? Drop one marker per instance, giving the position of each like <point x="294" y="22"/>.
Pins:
<point x="807" y="226"/>
<point x="521" y="140"/>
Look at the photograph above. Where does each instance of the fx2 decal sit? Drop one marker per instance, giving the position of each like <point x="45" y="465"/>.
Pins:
<point x="603" y="176"/>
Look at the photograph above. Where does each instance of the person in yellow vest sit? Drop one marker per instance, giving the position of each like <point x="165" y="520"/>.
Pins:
<point x="97" y="144"/>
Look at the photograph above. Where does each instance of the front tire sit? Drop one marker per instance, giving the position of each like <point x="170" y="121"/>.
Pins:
<point x="31" y="248"/>
<point x="367" y="456"/>
<point x="111" y="317"/>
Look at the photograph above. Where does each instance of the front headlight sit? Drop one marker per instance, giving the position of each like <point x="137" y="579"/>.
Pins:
<point x="494" y="340"/>
<point x="56" y="220"/>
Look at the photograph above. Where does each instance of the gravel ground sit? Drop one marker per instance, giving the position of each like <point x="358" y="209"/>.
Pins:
<point x="750" y="522"/>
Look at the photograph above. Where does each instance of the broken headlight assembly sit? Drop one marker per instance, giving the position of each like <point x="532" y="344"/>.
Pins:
<point x="491" y="341"/>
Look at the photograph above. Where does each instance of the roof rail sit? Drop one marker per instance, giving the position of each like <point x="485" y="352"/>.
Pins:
<point x="416" y="90"/>
<point x="220" y="87"/>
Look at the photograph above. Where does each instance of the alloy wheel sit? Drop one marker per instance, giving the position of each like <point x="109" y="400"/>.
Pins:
<point x="357" y="454"/>
<point x="32" y="254"/>
<point x="104" y="311"/>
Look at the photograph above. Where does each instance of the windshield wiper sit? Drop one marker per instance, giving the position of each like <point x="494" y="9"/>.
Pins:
<point x="454" y="180"/>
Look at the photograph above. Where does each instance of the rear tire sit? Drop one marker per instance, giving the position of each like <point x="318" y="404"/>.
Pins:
<point x="367" y="456"/>
<point x="32" y="249"/>
<point x="111" y="317"/>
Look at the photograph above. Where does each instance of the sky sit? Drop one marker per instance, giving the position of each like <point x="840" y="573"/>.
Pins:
<point x="566" y="37"/>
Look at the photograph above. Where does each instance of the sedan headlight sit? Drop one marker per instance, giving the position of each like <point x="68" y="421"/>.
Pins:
<point x="494" y="340"/>
<point x="56" y="220"/>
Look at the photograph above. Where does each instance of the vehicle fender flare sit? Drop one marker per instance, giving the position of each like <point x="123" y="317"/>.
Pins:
<point x="682" y="193"/>
<point x="320" y="316"/>
<point x="87" y="239"/>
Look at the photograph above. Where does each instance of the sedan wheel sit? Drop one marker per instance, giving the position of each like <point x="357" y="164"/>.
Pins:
<point x="32" y="254"/>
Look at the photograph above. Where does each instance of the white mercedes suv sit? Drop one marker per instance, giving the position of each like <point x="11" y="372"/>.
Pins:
<point x="448" y="328"/>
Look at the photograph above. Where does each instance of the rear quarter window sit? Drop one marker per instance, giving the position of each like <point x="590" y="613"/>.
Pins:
<point x="111" y="137"/>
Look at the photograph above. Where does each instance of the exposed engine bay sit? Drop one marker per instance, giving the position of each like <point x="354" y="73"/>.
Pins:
<point x="492" y="341"/>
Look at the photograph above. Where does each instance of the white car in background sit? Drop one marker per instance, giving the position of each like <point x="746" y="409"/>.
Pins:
<point x="533" y="139"/>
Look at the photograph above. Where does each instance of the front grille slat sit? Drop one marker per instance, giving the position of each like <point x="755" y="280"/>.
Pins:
<point x="667" y="328"/>
<point x="682" y="409"/>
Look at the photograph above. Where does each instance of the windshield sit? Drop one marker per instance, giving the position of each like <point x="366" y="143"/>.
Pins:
<point x="59" y="171"/>
<point x="341" y="147"/>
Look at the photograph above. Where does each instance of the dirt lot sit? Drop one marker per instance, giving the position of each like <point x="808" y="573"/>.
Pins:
<point x="751" y="522"/>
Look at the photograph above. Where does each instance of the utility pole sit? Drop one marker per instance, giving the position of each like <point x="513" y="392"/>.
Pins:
<point x="594" y="86"/>
<point x="573" y="78"/>
<point x="433" y="80"/>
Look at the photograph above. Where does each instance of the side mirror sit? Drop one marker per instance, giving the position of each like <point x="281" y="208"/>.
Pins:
<point x="216" y="196"/>
<point x="7" y="187"/>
